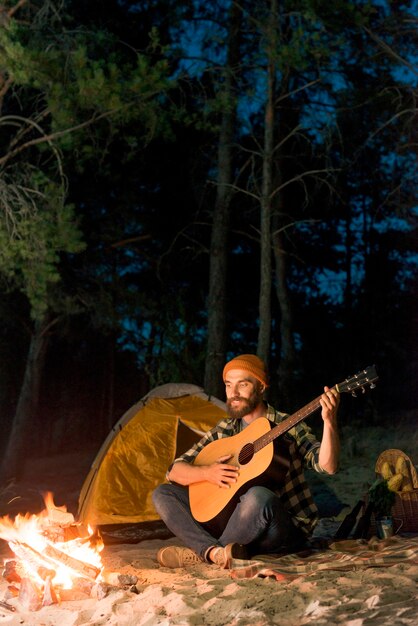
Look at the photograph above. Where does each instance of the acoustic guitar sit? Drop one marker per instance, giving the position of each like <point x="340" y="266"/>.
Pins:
<point x="252" y="451"/>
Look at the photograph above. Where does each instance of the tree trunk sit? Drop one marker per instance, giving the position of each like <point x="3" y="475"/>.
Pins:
<point x="21" y="434"/>
<point x="264" y="333"/>
<point x="287" y="364"/>
<point x="287" y="383"/>
<point x="216" y="344"/>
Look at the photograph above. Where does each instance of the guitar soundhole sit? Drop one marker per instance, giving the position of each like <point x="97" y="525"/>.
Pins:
<point x="246" y="454"/>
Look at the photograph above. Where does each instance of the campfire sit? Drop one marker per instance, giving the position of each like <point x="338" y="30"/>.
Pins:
<point x="55" y="559"/>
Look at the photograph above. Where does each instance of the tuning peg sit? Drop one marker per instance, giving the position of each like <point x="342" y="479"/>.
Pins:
<point x="372" y="386"/>
<point x="363" y="390"/>
<point x="353" y="393"/>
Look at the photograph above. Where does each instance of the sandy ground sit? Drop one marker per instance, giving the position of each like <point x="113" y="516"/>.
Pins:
<point x="207" y="596"/>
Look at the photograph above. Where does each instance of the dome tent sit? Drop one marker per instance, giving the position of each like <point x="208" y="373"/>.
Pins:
<point x="135" y="456"/>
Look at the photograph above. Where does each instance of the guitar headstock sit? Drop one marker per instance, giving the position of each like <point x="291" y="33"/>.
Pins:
<point x="361" y="380"/>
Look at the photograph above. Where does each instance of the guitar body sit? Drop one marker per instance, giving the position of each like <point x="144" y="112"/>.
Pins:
<point x="207" y="500"/>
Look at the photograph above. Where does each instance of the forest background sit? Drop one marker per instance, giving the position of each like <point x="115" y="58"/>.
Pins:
<point x="183" y="181"/>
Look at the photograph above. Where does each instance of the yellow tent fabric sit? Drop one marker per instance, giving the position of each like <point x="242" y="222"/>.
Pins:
<point x="134" y="458"/>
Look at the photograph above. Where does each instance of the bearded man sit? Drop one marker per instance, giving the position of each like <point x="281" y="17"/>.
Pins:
<point x="269" y="515"/>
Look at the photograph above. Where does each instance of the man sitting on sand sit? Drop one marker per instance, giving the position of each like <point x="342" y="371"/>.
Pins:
<point x="266" y="518"/>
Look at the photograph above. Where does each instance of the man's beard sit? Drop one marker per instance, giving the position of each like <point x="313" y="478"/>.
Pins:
<point x="247" y="405"/>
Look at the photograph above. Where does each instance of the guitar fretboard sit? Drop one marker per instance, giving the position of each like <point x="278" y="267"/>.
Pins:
<point x="287" y="424"/>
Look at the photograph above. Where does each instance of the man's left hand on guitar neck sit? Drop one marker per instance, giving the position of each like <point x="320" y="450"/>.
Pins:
<point x="329" y="452"/>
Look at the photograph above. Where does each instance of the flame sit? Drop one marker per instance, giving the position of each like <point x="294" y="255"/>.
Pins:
<point x="28" y="533"/>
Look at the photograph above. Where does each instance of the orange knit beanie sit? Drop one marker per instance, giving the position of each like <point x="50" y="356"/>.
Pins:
<point x="249" y="363"/>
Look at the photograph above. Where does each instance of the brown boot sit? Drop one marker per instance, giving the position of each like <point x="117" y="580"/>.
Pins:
<point x="174" y="556"/>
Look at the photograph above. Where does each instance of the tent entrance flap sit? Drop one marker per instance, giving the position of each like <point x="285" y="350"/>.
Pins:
<point x="186" y="438"/>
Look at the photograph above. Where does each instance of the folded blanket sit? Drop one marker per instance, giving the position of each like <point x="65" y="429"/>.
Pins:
<point x="350" y="554"/>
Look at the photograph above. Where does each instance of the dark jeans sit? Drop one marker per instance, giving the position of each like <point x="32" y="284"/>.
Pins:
<point x="259" y="521"/>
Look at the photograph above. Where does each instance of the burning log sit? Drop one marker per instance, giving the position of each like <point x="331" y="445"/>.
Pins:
<point x="83" y="569"/>
<point x="59" y="517"/>
<point x="50" y="556"/>
<point x="32" y="559"/>
<point x="49" y="595"/>
<point x="70" y="595"/>
<point x="12" y="592"/>
<point x="10" y="572"/>
<point x="44" y="573"/>
<point x="54" y="521"/>
<point x="29" y="595"/>
<point x="83" y="585"/>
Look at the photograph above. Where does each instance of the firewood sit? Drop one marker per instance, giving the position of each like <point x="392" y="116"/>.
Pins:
<point x="70" y="595"/>
<point x="84" y="585"/>
<point x="45" y="572"/>
<point x="78" y="530"/>
<point x="59" y="517"/>
<point x="28" y="555"/>
<point x="81" y="590"/>
<point x="49" y="596"/>
<point x="75" y="531"/>
<point x="84" y="569"/>
<point x="12" y="592"/>
<point x="55" y="534"/>
<point x="10" y="572"/>
<point x="49" y="556"/>
<point x="29" y="595"/>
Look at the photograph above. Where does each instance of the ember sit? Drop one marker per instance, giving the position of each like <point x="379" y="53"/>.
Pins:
<point x="53" y="554"/>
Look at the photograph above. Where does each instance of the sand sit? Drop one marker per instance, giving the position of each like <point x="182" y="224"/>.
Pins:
<point x="207" y="596"/>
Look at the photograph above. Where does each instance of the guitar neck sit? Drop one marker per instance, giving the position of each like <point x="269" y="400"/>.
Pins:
<point x="287" y="424"/>
<point x="366" y="377"/>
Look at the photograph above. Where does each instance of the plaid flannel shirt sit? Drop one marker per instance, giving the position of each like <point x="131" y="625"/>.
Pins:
<point x="304" y="452"/>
